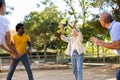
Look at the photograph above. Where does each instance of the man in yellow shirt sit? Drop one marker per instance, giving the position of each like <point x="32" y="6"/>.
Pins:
<point x="21" y="41"/>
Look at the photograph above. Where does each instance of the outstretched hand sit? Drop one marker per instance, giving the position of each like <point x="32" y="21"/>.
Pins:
<point x="93" y="39"/>
<point x="96" y="41"/>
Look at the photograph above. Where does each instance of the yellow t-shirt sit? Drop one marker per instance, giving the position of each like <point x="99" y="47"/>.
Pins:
<point x="21" y="42"/>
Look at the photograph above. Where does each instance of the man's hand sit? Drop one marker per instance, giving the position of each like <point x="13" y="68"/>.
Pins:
<point x="97" y="41"/>
<point x="93" y="40"/>
<point x="14" y="55"/>
<point x="29" y="50"/>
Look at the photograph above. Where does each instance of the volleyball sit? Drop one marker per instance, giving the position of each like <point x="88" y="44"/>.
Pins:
<point x="64" y="22"/>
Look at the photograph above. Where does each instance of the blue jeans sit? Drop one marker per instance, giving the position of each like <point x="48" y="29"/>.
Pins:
<point x="118" y="74"/>
<point x="25" y="60"/>
<point x="77" y="65"/>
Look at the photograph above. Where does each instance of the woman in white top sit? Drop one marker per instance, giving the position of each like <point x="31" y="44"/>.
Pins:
<point x="6" y="41"/>
<point x="75" y="49"/>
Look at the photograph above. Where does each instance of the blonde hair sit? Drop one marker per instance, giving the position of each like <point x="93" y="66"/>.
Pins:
<point x="75" y="29"/>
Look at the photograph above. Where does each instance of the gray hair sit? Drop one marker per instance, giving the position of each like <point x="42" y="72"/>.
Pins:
<point x="107" y="17"/>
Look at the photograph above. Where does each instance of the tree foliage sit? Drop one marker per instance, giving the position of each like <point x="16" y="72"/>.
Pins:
<point x="43" y="25"/>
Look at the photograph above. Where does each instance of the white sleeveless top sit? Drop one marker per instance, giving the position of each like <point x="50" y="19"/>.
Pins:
<point x="5" y="26"/>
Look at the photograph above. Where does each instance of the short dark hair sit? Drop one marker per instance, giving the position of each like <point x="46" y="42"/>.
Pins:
<point x="18" y="26"/>
<point x="2" y="2"/>
<point x="107" y="17"/>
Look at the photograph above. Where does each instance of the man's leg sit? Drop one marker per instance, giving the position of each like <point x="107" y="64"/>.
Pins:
<point x="118" y="74"/>
<point x="26" y="63"/>
<point x="12" y="68"/>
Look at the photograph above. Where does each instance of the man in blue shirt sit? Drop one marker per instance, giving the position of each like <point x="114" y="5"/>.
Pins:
<point x="107" y="21"/>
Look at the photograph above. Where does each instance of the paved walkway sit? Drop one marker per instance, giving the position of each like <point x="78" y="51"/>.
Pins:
<point x="90" y="73"/>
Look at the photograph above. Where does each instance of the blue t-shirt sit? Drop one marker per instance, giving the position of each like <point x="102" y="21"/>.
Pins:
<point x="115" y="32"/>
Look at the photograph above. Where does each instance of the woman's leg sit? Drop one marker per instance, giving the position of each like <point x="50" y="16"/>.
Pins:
<point x="74" y="65"/>
<point x="80" y="66"/>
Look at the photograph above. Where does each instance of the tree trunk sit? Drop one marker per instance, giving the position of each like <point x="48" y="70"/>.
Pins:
<point x="92" y="49"/>
<point x="45" y="49"/>
<point x="98" y="53"/>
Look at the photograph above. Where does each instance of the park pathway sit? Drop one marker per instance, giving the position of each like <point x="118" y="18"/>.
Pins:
<point x="90" y="73"/>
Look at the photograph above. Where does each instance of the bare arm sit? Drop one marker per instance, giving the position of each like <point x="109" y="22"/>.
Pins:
<point x="29" y="47"/>
<point x="4" y="48"/>
<point x="10" y="44"/>
<point x="111" y="45"/>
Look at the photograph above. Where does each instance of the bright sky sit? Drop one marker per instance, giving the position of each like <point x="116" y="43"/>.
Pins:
<point x="24" y="7"/>
<point x="21" y="8"/>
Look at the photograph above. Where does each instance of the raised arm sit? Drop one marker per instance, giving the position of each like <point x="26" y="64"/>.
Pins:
<point x="63" y="37"/>
<point x="80" y="37"/>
